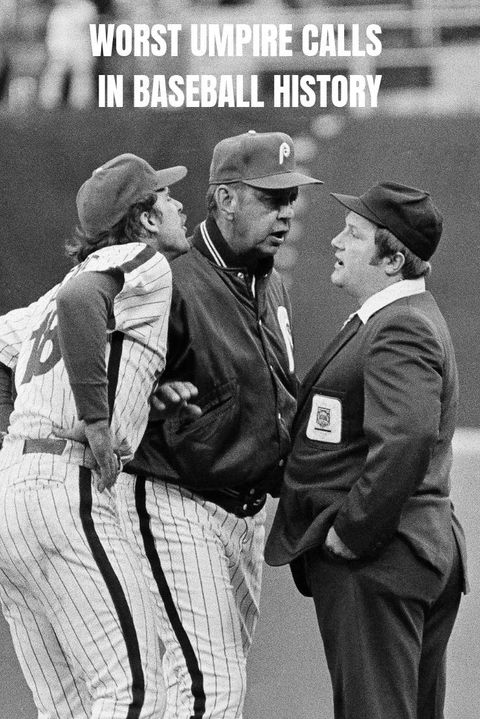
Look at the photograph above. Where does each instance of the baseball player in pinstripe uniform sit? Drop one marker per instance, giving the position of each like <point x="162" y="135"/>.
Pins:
<point x="195" y="514"/>
<point x="90" y="349"/>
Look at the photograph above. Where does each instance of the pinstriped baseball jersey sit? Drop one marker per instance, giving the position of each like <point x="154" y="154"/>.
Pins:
<point x="93" y="651"/>
<point x="29" y="343"/>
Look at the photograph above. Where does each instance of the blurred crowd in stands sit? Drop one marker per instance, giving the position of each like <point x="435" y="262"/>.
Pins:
<point x="45" y="52"/>
<point x="46" y="56"/>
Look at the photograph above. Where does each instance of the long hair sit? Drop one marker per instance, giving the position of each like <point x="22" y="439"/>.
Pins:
<point x="128" y="229"/>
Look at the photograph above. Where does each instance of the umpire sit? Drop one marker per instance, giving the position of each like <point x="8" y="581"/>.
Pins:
<point x="196" y="511"/>
<point x="365" y="518"/>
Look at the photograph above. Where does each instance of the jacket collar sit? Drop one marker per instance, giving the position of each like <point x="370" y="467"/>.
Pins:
<point x="208" y="240"/>
<point x="404" y="288"/>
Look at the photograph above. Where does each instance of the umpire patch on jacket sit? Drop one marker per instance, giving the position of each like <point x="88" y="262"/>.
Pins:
<point x="325" y="422"/>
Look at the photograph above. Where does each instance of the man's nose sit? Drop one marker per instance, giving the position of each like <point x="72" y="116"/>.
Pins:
<point x="286" y="211"/>
<point x="337" y="241"/>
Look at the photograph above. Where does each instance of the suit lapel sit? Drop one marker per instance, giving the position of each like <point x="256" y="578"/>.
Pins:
<point x="345" y="334"/>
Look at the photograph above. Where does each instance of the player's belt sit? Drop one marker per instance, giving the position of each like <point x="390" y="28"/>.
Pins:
<point x="44" y="446"/>
<point x="243" y="502"/>
<point x="71" y="451"/>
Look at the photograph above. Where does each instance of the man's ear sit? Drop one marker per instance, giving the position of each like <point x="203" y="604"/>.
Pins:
<point x="227" y="201"/>
<point x="147" y="220"/>
<point x="394" y="264"/>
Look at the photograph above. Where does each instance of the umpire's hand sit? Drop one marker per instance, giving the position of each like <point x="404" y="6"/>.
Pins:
<point x="173" y="398"/>
<point x="334" y="545"/>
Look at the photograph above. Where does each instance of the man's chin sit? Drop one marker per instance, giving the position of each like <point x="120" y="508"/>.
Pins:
<point x="269" y="250"/>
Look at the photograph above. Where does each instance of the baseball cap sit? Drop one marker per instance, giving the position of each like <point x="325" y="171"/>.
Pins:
<point x="260" y="159"/>
<point x="409" y="213"/>
<point x="105" y="197"/>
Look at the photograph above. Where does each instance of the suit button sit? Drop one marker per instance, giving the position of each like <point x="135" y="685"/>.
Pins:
<point x="281" y="463"/>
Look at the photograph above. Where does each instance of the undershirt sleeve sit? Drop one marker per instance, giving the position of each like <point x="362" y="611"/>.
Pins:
<point x="6" y="396"/>
<point x="85" y="313"/>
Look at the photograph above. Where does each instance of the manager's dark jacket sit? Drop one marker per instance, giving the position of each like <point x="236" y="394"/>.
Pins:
<point x="372" y="442"/>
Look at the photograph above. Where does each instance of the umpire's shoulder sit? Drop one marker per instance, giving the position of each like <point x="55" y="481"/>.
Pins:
<point x="414" y="313"/>
<point x="408" y="325"/>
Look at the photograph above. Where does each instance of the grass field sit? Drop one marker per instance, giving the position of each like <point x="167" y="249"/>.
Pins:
<point x="287" y="673"/>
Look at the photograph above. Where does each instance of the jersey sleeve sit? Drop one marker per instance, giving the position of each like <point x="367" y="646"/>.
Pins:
<point x="85" y="309"/>
<point x="125" y="288"/>
<point x="145" y="297"/>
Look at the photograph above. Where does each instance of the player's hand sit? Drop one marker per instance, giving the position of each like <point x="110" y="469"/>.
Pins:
<point x="99" y="438"/>
<point x="100" y="441"/>
<point x="79" y="433"/>
<point x="174" y="399"/>
<point x="334" y="544"/>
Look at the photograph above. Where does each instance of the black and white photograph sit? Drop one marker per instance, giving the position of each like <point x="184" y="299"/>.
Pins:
<point x="239" y="366"/>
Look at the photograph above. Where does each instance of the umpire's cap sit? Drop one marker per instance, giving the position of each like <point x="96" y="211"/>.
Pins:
<point x="260" y="159"/>
<point x="407" y="212"/>
<point x="106" y="196"/>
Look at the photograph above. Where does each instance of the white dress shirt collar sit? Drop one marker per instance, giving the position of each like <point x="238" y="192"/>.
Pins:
<point x="404" y="288"/>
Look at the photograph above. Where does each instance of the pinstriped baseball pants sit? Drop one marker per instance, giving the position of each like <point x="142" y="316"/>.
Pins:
<point x="204" y="567"/>
<point x="77" y="606"/>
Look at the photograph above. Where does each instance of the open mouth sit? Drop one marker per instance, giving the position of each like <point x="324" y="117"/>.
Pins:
<point x="279" y="235"/>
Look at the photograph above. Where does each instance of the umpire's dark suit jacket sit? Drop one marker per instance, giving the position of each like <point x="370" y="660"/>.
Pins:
<point x="372" y="442"/>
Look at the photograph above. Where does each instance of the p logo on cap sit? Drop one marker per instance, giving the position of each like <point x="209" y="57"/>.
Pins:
<point x="284" y="151"/>
<point x="260" y="159"/>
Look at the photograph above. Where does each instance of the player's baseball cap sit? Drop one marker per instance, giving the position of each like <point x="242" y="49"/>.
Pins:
<point x="407" y="212"/>
<point x="105" y="197"/>
<point x="261" y="159"/>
